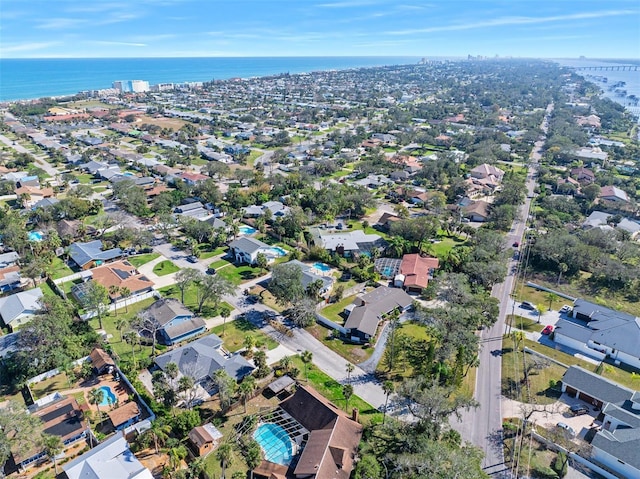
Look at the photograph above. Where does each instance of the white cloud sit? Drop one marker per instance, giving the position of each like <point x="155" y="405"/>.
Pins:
<point x="26" y="47"/>
<point x="60" y="23"/>
<point x="126" y="44"/>
<point x="507" y="21"/>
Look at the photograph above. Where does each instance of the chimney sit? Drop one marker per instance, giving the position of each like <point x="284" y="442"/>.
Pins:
<point x="355" y="414"/>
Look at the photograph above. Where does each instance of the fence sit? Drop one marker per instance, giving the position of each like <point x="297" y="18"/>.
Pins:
<point x="549" y="290"/>
<point x="123" y="303"/>
<point x="53" y="372"/>
<point x="330" y="324"/>
<point x="56" y="289"/>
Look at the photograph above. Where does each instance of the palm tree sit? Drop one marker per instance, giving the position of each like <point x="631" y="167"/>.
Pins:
<point x="125" y="293"/>
<point x="249" y="343"/>
<point x="388" y="388"/>
<point x="225" y="313"/>
<point x="120" y="325"/>
<point x="114" y="291"/>
<point x="562" y="268"/>
<point x="225" y="456"/>
<point x="196" y="467"/>
<point x="285" y="363"/>
<point x="350" y="367"/>
<point x="551" y="297"/>
<point x="159" y="432"/>
<point x="176" y="455"/>
<point x="540" y="309"/>
<point x="96" y="396"/>
<point x="347" y="392"/>
<point x="246" y="389"/>
<point x="52" y="447"/>
<point x="132" y="338"/>
<point x="307" y="357"/>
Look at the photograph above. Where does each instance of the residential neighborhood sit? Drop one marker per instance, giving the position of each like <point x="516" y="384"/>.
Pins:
<point x="246" y="277"/>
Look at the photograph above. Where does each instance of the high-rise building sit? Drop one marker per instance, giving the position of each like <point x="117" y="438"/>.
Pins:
<point x="131" y="86"/>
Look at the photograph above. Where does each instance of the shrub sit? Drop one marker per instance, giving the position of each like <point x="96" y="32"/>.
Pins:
<point x="561" y="464"/>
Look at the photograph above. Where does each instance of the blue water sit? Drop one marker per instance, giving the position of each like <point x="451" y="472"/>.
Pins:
<point x="107" y="396"/>
<point x="35" y="236"/>
<point x="322" y="267"/>
<point x="278" y="251"/>
<point x="247" y="230"/>
<point x="275" y="442"/>
<point x="36" y="78"/>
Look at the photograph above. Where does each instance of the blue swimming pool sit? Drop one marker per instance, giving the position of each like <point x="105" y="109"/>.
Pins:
<point x="277" y="251"/>
<point x="247" y="230"/>
<point x="35" y="236"/>
<point x="275" y="442"/>
<point x="322" y="267"/>
<point x="108" y="397"/>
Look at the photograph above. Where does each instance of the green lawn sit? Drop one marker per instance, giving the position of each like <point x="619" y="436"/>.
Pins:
<point x="538" y="297"/>
<point x="140" y="259"/>
<point x="332" y="390"/>
<point x="525" y="324"/>
<point x="445" y="244"/>
<point x="240" y="274"/>
<point x="333" y="311"/>
<point x="84" y="178"/>
<point x="191" y="300"/>
<point x="208" y="253"/>
<point x="354" y="353"/>
<point x="58" y="382"/>
<point x="165" y="267"/>
<point x="219" y="263"/>
<point x="59" y="269"/>
<point x="236" y="330"/>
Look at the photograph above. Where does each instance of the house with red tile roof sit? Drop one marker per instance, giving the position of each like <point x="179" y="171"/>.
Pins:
<point x="613" y="193"/>
<point x="415" y="272"/>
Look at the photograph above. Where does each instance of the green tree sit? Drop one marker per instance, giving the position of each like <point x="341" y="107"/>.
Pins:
<point x="18" y="429"/>
<point x="96" y="299"/>
<point x="121" y="323"/>
<point x="347" y="392"/>
<point x="303" y="311"/>
<point x="368" y="468"/>
<point x="184" y="278"/>
<point x="212" y="288"/>
<point x="224" y="454"/>
<point x="114" y="291"/>
<point x="286" y="283"/>
<point x="246" y="389"/>
<point x="261" y="261"/>
<point x="159" y="433"/>
<point x="388" y="388"/>
<point x="349" y="368"/>
<point x="96" y="396"/>
<point x="52" y="447"/>
<point x="132" y="338"/>
<point x="307" y="357"/>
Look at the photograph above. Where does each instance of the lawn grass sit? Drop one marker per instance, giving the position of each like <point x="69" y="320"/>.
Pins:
<point x="208" y="253"/>
<point x="191" y="300"/>
<point x="332" y="390"/>
<point x="235" y="332"/>
<point x="267" y="298"/>
<point x="58" y="382"/>
<point x="59" y="269"/>
<point x="240" y="274"/>
<point x="524" y="324"/>
<point x="445" y="244"/>
<point x="83" y="178"/>
<point x="140" y="259"/>
<point x="165" y="267"/>
<point x="539" y="297"/>
<point x="333" y="311"/>
<point x="355" y="353"/>
<point x="219" y="263"/>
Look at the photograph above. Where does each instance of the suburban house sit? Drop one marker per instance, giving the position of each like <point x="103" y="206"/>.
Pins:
<point x="613" y="193"/>
<point x="348" y="242"/>
<point x="120" y="275"/>
<point x="600" y="219"/>
<point x="30" y="195"/>
<point x="204" y="439"/>
<point x="415" y="272"/>
<point x="101" y="361"/>
<point x="366" y="311"/>
<point x="111" y="458"/>
<point x="125" y="415"/>
<point x="192" y="179"/>
<point x="617" y="442"/>
<point x="9" y="259"/>
<point x="10" y="278"/>
<point x="310" y="274"/>
<point x="476" y="211"/>
<point x="194" y="209"/>
<point x="19" y="308"/>
<point x="386" y="220"/>
<point x="332" y="438"/>
<point x="61" y="416"/>
<point x="246" y="250"/>
<point x="583" y="175"/>
<point x="71" y="229"/>
<point x="176" y="322"/>
<point x="601" y="332"/>
<point x="276" y="208"/>
<point x="592" y="153"/>
<point x="201" y="358"/>
<point x="90" y="254"/>
<point x="485" y="171"/>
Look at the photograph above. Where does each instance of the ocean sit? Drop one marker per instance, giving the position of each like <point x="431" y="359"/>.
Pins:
<point x="23" y="79"/>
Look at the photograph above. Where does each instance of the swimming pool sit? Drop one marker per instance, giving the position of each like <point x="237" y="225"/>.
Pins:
<point x="277" y="251"/>
<point x="108" y="397"/>
<point x="322" y="267"/>
<point x="275" y="442"/>
<point x="35" y="236"/>
<point x="247" y="230"/>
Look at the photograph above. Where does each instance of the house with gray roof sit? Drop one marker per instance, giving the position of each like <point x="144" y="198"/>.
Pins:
<point x="177" y="323"/>
<point x="601" y="332"/>
<point x="366" y="311"/>
<point x="311" y="274"/>
<point x="19" y="308"/>
<point x="276" y="208"/>
<point x="348" y="242"/>
<point x="9" y="259"/>
<point x="194" y="209"/>
<point x="201" y="358"/>
<point x="246" y="250"/>
<point x="90" y="254"/>
<point x="617" y="443"/>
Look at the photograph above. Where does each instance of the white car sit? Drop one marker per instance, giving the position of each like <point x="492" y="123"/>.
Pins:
<point x="568" y="429"/>
<point x="565" y="309"/>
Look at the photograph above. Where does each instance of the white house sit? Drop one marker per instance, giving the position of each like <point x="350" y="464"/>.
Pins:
<point x="246" y="250"/>
<point x="19" y="308"/>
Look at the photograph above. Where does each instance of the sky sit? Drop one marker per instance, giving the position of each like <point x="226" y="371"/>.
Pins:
<point x="232" y="28"/>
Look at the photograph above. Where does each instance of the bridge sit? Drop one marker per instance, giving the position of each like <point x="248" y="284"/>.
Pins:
<point x="631" y="68"/>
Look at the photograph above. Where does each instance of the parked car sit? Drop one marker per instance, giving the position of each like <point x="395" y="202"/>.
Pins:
<point x="192" y="259"/>
<point x="567" y="429"/>
<point x="528" y="305"/>
<point x="516" y="244"/>
<point x="578" y="409"/>
<point x="211" y="271"/>
<point x="548" y="329"/>
<point x="566" y="309"/>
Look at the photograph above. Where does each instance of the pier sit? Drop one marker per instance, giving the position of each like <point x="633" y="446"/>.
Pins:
<point x="621" y="68"/>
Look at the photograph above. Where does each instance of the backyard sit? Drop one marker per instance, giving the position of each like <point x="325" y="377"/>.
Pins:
<point x="332" y="312"/>
<point x="233" y="334"/>
<point x="355" y="353"/>
<point x="191" y="300"/>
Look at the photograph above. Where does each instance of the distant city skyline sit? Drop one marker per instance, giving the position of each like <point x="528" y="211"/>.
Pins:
<point x="236" y="28"/>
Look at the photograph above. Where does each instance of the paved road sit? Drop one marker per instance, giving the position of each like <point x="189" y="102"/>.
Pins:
<point x="482" y="426"/>
<point x="41" y="162"/>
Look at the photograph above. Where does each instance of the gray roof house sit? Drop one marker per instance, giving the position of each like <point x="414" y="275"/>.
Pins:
<point x="19" y="308"/>
<point x="87" y="255"/>
<point x="193" y="210"/>
<point x="311" y="274"/>
<point x="601" y="332"/>
<point x="201" y="358"/>
<point x="9" y="259"/>
<point x="275" y="207"/>
<point x="177" y="322"/>
<point x="617" y="443"/>
<point x="347" y="242"/>
<point x="246" y="250"/>
<point x="367" y="310"/>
